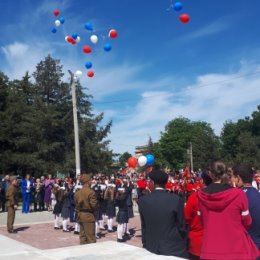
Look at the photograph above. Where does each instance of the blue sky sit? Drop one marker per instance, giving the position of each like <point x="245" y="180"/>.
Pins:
<point x="158" y="68"/>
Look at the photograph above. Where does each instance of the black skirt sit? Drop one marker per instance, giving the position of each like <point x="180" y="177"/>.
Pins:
<point x="98" y="215"/>
<point x="65" y="212"/>
<point x="122" y="217"/>
<point x="57" y="208"/>
<point x="103" y="207"/>
<point x="110" y="209"/>
<point x="130" y="212"/>
<point x="72" y="214"/>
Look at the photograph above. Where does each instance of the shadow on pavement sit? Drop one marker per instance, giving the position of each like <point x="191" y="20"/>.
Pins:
<point x="21" y="229"/>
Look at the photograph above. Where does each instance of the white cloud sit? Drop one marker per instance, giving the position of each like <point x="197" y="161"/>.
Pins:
<point x="15" y="50"/>
<point x="210" y="29"/>
<point x="213" y="98"/>
<point x="21" y="57"/>
<point x="218" y="26"/>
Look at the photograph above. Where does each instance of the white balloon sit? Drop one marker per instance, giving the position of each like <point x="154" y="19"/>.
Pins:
<point x="142" y="160"/>
<point x="66" y="38"/>
<point x="57" y="23"/>
<point x="78" y="73"/>
<point x="78" y="39"/>
<point x="94" y="38"/>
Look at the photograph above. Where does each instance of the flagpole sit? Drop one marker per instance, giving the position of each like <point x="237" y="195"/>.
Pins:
<point x="75" y="120"/>
<point x="191" y="158"/>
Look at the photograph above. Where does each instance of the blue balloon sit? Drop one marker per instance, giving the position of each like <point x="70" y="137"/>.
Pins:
<point x="107" y="47"/>
<point x="54" y="30"/>
<point x="177" y="6"/>
<point x="150" y="159"/>
<point x="74" y="36"/>
<point x="89" y="26"/>
<point x="88" y="64"/>
<point x="62" y="20"/>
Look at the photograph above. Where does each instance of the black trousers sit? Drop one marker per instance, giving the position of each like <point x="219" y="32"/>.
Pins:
<point x="38" y="206"/>
<point x="2" y="204"/>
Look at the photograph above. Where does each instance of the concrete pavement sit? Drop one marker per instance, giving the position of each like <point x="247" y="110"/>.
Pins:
<point x="110" y="250"/>
<point x="36" y="239"/>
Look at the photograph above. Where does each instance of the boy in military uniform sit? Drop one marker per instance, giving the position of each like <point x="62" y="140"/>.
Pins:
<point x="86" y="204"/>
<point x="11" y="204"/>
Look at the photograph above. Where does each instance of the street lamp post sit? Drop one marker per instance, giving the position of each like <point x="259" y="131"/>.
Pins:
<point x="75" y="120"/>
<point x="191" y="157"/>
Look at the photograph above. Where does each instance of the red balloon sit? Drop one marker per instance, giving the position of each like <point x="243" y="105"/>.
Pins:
<point x="113" y="34"/>
<point x="132" y="162"/>
<point x="184" y="18"/>
<point x="73" y="41"/>
<point x="56" y="12"/>
<point x="70" y="39"/>
<point x="90" y="73"/>
<point x="87" y="49"/>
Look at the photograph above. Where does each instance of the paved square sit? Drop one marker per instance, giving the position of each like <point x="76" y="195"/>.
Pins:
<point x="37" y="239"/>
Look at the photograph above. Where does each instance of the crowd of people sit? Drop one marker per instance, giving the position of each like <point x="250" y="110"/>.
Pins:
<point x="203" y="210"/>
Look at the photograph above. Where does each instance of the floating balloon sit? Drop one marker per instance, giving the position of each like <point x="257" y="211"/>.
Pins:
<point x="87" y="49"/>
<point x="78" y="73"/>
<point x="70" y="39"/>
<point x="184" y="18"/>
<point x="177" y="6"/>
<point x="62" y="20"/>
<point x="150" y="159"/>
<point x="132" y="162"/>
<point x="66" y="39"/>
<point x="74" y="36"/>
<point x="112" y="34"/>
<point x="57" y="23"/>
<point x="73" y="41"/>
<point x="56" y="12"/>
<point x="90" y="73"/>
<point x="89" y="26"/>
<point x="107" y="47"/>
<point x="54" y="30"/>
<point x="88" y="65"/>
<point x="78" y="39"/>
<point x="94" y="39"/>
<point x="142" y="160"/>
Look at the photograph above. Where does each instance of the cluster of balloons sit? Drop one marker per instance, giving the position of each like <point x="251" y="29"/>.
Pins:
<point x="57" y="22"/>
<point x="177" y="6"/>
<point x="74" y="39"/>
<point x="94" y="40"/>
<point x="147" y="160"/>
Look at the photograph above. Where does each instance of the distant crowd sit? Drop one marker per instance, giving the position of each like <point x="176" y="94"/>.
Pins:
<point x="117" y="194"/>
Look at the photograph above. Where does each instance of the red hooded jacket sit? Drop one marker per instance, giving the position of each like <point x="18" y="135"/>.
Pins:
<point x="225" y="220"/>
<point x="195" y="227"/>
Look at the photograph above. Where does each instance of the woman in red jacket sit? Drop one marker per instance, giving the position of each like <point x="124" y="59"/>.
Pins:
<point x="192" y="220"/>
<point x="225" y="220"/>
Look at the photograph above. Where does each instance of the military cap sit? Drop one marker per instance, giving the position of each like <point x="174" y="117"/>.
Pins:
<point x="158" y="177"/>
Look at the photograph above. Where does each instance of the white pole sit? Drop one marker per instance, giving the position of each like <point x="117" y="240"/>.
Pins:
<point x="191" y="157"/>
<point x="75" y="119"/>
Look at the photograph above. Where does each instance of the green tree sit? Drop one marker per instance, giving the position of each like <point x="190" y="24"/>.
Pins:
<point x="172" y="148"/>
<point x="95" y="154"/>
<point x="248" y="150"/>
<point x="18" y="127"/>
<point x="123" y="159"/>
<point x="51" y="104"/>
<point x="240" y="140"/>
